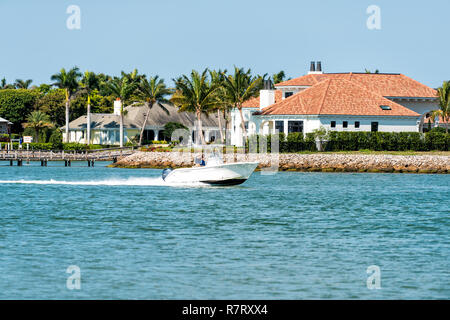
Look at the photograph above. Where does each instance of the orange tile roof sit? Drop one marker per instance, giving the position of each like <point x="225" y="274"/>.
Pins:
<point x="387" y="85"/>
<point x="254" y="102"/>
<point x="337" y="97"/>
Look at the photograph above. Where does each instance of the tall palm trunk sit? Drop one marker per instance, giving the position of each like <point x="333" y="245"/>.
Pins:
<point x="199" y="129"/>
<point x="88" y="123"/>
<point x="227" y="124"/>
<point x="220" y="126"/>
<point x="244" y="131"/>
<point x="144" y="124"/>
<point x="67" y="118"/>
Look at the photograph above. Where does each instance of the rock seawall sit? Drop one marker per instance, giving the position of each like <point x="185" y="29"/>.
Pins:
<point x="302" y="162"/>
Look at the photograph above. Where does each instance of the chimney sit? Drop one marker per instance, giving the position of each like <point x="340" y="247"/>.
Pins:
<point x="117" y="106"/>
<point x="319" y="66"/>
<point x="315" y="70"/>
<point x="267" y="95"/>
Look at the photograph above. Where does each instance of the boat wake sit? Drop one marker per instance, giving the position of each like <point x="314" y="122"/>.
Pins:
<point x="107" y="182"/>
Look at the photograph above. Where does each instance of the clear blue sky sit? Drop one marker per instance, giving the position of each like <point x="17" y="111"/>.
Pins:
<point x="173" y="37"/>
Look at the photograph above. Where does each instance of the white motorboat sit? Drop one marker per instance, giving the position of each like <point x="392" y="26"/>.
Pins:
<point x="215" y="172"/>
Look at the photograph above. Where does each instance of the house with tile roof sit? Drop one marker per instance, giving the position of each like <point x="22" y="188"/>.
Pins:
<point x="105" y="127"/>
<point x="337" y="101"/>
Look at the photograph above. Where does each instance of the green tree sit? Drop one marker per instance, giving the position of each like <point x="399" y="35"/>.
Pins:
<point x="444" y="104"/>
<point x="89" y="83"/>
<point x="56" y="139"/>
<point x="122" y="88"/>
<point x="5" y="85"/>
<point x="195" y="94"/>
<point x="37" y="120"/>
<point x="169" y="128"/>
<point x="241" y="87"/>
<point x="44" y="88"/>
<point x="152" y="91"/>
<point x="67" y="80"/>
<point x="16" y="104"/>
<point x="53" y="104"/>
<point x="22" y="84"/>
<point x="278" y="77"/>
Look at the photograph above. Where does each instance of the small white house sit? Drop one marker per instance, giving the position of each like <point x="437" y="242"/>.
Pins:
<point x="337" y="101"/>
<point x="105" y="127"/>
<point x="5" y="126"/>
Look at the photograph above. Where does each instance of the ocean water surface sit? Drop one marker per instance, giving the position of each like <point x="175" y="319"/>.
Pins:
<point x="285" y="236"/>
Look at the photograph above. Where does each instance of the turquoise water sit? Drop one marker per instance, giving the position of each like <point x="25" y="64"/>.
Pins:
<point x="286" y="236"/>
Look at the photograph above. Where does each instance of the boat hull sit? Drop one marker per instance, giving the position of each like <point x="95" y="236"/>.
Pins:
<point x="228" y="174"/>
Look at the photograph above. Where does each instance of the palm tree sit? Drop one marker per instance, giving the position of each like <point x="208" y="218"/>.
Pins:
<point x="195" y="94"/>
<point x="90" y="82"/>
<point x="152" y="91"/>
<point x="241" y="87"/>
<point x="22" y="84"/>
<point x="69" y="82"/>
<point x="38" y="120"/>
<point x="122" y="88"/>
<point x="278" y="77"/>
<point x="5" y="85"/>
<point x="444" y="104"/>
<point x="222" y="105"/>
<point x="133" y="76"/>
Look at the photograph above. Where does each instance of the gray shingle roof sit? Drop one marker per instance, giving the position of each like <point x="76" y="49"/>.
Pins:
<point x="4" y="120"/>
<point x="135" y="115"/>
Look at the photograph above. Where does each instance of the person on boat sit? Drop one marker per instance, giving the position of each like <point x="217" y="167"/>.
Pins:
<point x="200" y="161"/>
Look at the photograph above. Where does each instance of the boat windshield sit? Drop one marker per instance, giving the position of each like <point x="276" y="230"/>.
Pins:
<point x="214" y="159"/>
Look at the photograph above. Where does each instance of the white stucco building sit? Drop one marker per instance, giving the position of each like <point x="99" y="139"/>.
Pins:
<point x="337" y="101"/>
<point x="5" y="126"/>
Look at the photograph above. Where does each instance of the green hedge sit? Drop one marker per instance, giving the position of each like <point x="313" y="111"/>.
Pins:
<point x="354" y="141"/>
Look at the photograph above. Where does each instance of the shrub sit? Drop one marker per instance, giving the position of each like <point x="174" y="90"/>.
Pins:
<point x="56" y="140"/>
<point x="295" y="142"/>
<point x="74" y="146"/>
<point x="435" y="140"/>
<point x="378" y="141"/>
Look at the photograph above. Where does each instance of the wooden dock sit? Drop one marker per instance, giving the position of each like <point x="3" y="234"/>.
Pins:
<point x="44" y="156"/>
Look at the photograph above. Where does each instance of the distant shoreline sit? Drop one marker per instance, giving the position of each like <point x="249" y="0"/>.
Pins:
<point x="315" y="162"/>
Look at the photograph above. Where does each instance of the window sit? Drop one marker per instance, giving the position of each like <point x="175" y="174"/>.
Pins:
<point x="356" y="124"/>
<point x="333" y="124"/>
<point x="295" y="126"/>
<point x="385" y="107"/>
<point x="288" y="94"/>
<point x="279" y="125"/>
<point x="374" y="126"/>
<point x="246" y="125"/>
<point x="345" y="124"/>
